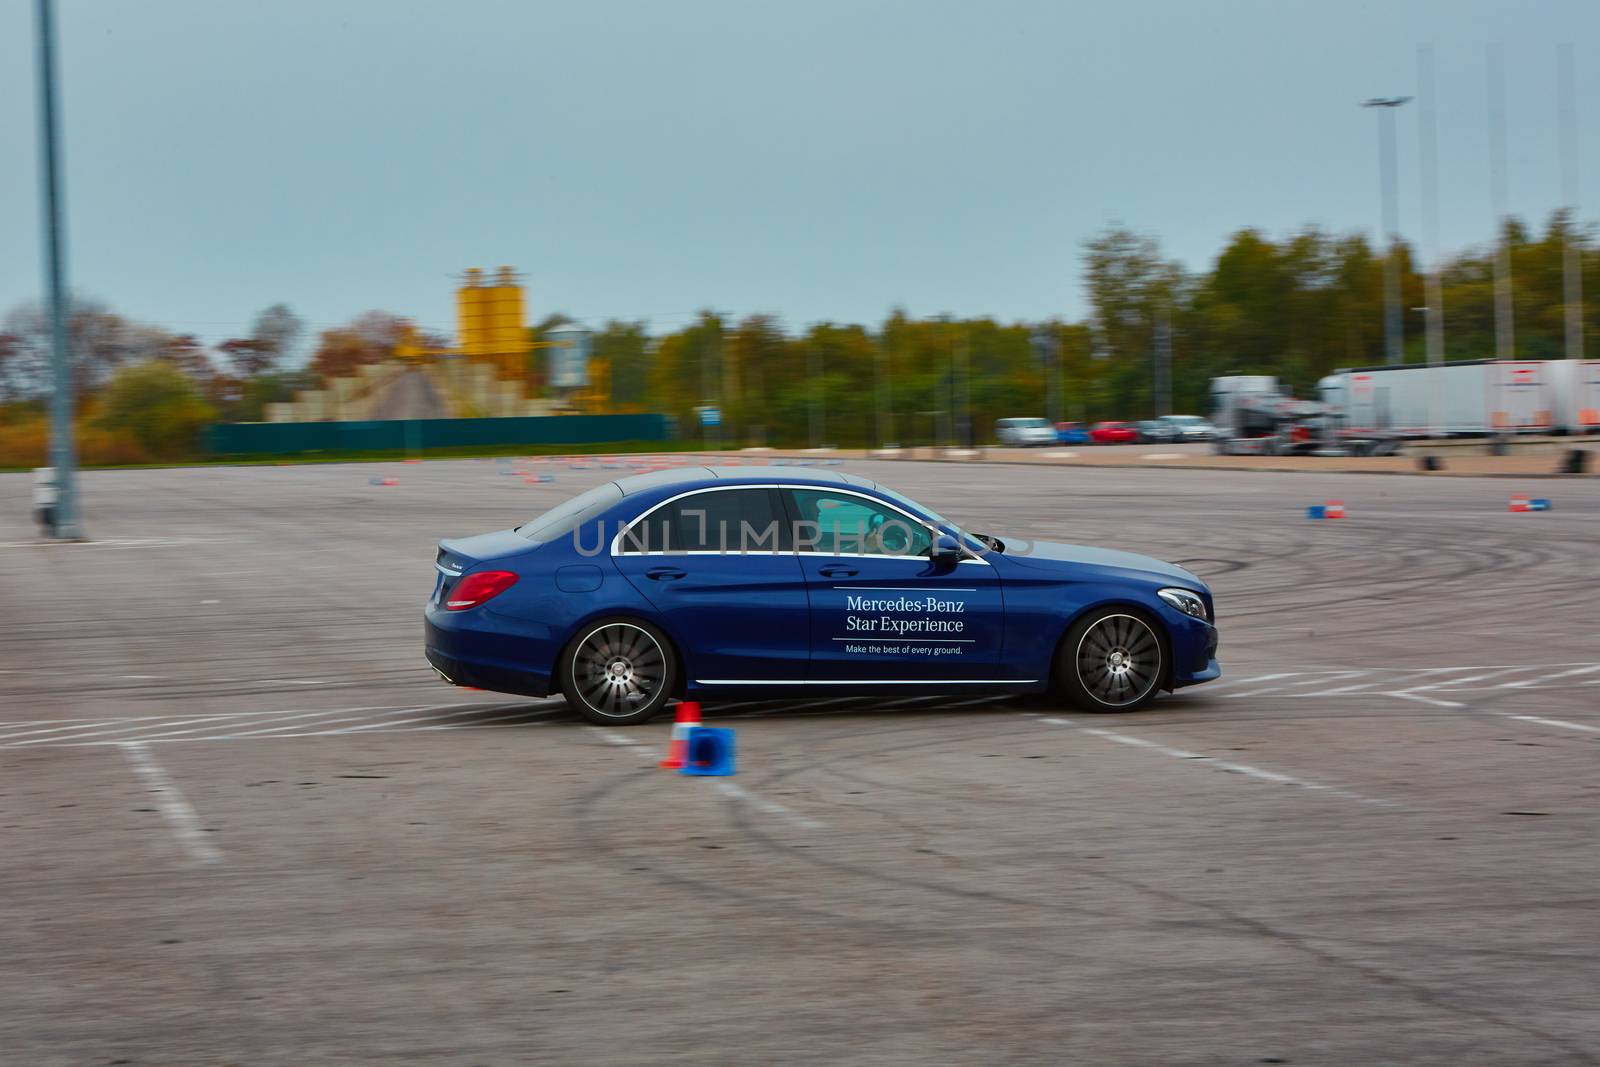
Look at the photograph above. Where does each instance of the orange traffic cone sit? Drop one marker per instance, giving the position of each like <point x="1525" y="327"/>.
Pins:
<point x="678" y="747"/>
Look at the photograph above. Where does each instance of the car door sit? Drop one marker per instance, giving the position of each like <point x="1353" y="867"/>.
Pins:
<point x="882" y="613"/>
<point x="716" y="565"/>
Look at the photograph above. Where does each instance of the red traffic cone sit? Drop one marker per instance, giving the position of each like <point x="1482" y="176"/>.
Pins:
<point x="1335" y="509"/>
<point x="1519" y="502"/>
<point x="677" y="748"/>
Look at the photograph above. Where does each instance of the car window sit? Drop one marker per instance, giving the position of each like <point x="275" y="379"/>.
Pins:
<point x="728" y="520"/>
<point x="720" y="520"/>
<point x="565" y="518"/>
<point x="843" y="524"/>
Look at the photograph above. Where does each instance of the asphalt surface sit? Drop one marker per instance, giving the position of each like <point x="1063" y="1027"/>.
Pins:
<point x="242" y="823"/>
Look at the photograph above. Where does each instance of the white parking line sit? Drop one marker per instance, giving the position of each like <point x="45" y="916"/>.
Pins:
<point x="1453" y="683"/>
<point x="180" y="816"/>
<point x="122" y="726"/>
<point x="96" y="724"/>
<point x="1343" y="689"/>
<point x="1552" y="677"/>
<point x="1406" y="694"/>
<point x="1339" y="675"/>
<point x="771" y="807"/>
<point x="1562" y="723"/>
<point x="475" y="710"/>
<point x="611" y="737"/>
<point x="168" y="734"/>
<point x="723" y="786"/>
<point x="1225" y="765"/>
<point x="1229" y="682"/>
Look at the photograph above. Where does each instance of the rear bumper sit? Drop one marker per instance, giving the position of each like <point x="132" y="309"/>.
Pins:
<point x="482" y="657"/>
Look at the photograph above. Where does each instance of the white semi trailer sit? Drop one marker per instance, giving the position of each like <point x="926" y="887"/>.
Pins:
<point x="1469" y="398"/>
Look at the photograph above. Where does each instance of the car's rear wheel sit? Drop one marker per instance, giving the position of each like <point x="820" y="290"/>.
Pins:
<point x="1113" y="659"/>
<point x="618" y="672"/>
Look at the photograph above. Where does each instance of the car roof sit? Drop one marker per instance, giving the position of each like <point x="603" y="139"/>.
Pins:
<point x="692" y="477"/>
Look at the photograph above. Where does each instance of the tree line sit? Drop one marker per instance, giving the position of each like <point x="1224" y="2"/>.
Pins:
<point x="1298" y="307"/>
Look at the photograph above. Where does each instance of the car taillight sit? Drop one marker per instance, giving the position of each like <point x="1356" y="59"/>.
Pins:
<point x="474" y="589"/>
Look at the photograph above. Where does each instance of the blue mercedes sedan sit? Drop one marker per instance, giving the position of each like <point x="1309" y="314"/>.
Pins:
<point x="737" y="582"/>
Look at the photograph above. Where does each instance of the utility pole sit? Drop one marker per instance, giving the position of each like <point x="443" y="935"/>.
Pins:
<point x="1163" y="359"/>
<point x="881" y="356"/>
<point x="814" y="370"/>
<point x="1052" y="381"/>
<point x="1430" y="236"/>
<point x="1504" y="327"/>
<point x="63" y="448"/>
<point x="728" y="388"/>
<point x="1571" y="267"/>
<point x="710" y="425"/>
<point x="964" y="425"/>
<point x="1047" y="349"/>
<point x="1393" y="325"/>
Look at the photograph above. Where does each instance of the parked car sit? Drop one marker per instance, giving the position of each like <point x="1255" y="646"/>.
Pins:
<point x="1024" y="433"/>
<point x="1157" y="432"/>
<point x="1113" y="433"/>
<point x="1190" y="428"/>
<point x="1070" y="433"/>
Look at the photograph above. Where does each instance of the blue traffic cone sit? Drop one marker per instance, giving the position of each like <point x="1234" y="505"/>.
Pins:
<point x="708" y="751"/>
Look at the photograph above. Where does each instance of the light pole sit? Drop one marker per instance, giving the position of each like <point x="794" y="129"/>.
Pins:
<point x="63" y="450"/>
<point x="710" y="413"/>
<point x="880" y="354"/>
<point x="1505" y="335"/>
<point x="1392" y="324"/>
<point x="814" y="369"/>
<point x="1434" y="312"/>
<point x="1163" y="358"/>
<point x="1571" y="267"/>
<point x="964" y="425"/>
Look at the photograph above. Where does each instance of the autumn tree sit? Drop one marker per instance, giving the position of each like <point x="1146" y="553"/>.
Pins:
<point x="271" y="339"/>
<point x="157" y="405"/>
<point x="369" y="338"/>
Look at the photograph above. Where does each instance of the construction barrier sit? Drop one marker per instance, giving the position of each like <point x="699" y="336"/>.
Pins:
<point x="419" y="435"/>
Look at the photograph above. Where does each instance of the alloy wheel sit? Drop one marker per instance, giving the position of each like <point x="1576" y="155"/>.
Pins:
<point x="1119" y="660"/>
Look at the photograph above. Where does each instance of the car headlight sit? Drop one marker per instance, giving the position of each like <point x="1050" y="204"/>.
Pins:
<point x="1185" y="601"/>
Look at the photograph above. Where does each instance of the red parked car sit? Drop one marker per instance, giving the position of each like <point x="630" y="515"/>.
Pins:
<point x="1113" y="433"/>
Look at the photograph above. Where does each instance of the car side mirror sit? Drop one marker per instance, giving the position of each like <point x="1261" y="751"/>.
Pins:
<point x="946" y="549"/>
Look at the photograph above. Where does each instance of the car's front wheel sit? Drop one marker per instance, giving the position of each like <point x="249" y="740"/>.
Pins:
<point x="1113" y="659"/>
<point x="618" y="672"/>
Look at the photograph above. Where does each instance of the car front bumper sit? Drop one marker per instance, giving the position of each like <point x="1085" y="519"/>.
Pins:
<point x="1194" y="650"/>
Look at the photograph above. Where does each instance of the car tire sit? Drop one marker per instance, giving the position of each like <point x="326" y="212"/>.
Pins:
<point x="1113" y="659"/>
<point x="618" y="672"/>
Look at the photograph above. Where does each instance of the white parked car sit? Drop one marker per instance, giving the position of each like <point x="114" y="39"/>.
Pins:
<point x="1024" y="433"/>
<point x="1190" y="428"/>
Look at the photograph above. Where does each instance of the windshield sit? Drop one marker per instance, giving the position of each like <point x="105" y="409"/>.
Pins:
<point x="967" y="539"/>
<point x="564" y="518"/>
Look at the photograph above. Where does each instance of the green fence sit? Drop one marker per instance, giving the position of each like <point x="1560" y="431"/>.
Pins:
<point x="416" y="435"/>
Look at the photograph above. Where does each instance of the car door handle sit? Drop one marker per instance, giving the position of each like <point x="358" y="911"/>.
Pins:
<point x="836" y="571"/>
<point x="665" y="574"/>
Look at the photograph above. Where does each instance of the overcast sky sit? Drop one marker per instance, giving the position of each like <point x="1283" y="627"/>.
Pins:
<point x="818" y="159"/>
